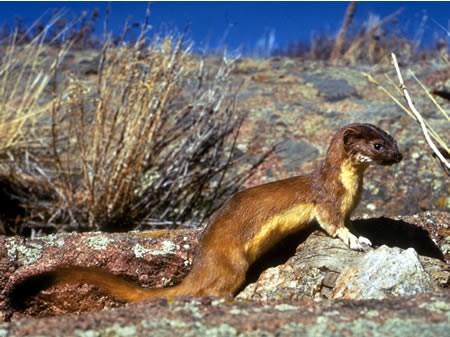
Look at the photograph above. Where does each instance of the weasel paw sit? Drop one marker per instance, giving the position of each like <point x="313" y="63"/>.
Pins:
<point x="351" y="240"/>
<point x="364" y="241"/>
<point x="355" y="244"/>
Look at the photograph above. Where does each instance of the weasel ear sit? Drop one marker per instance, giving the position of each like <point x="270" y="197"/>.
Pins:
<point x="350" y="136"/>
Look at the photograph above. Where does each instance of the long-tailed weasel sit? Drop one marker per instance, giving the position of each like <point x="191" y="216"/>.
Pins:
<point x="253" y="220"/>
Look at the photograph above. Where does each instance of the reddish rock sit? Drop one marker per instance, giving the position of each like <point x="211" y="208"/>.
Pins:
<point x="152" y="259"/>
<point x="423" y="315"/>
<point x="304" y="266"/>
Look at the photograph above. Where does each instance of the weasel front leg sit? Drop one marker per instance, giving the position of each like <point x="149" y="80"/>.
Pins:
<point x="334" y="225"/>
<point x="354" y="242"/>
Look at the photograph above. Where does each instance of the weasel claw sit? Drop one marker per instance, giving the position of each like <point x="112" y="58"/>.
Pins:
<point x="350" y="240"/>
<point x="365" y="241"/>
<point x="355" y="244"/>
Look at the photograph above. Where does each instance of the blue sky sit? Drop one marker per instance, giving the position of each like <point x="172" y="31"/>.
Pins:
<point x="243" y="24"/>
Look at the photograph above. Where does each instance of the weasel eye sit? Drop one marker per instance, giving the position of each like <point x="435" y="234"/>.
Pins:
<point x="378" y="146"/>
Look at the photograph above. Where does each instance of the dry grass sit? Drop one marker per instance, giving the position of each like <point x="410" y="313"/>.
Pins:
<point x="343" y="31"/>
<point x="25" y="72"/>
<point x="436" y="142"/>
<point x="368" y="43"/>
<point x="152" y="140"/>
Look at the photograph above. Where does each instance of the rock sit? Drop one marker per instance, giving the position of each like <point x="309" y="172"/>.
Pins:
<point x="436" y="226"/>
<point x="89" y="67"/>
<point x="307" y="274"/>
<point x="331" y="89"/>
<point x="302" y="269"/>
<point x="327" y="97"/>
<point x="152" y="259"/>
<point x="424" y="315"/>
<point x="297" y="152"/>
<point x="311" y="267"/>
<point x="382" y="273"/>
<point x="387" y="111"/>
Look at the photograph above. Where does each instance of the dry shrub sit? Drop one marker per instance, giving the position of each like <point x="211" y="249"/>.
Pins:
<point x="376" y="39"/>
<point x="25" y="72"/>
<point x="153" y="140"/>
<point x="368" y="43"/>
<point x="56" y="28"/>
<point x="438" y="143"/>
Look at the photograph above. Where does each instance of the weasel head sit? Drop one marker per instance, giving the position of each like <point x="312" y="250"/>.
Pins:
<point x="365" y="143"/>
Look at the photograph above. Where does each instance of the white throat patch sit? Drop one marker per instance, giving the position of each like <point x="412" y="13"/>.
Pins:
<point x="362" y="158"/>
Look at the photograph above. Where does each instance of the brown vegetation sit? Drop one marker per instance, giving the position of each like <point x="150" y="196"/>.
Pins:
<point x="371" y="42"/>
<point x="437" y="143"/>
<point x="152" y="138"/>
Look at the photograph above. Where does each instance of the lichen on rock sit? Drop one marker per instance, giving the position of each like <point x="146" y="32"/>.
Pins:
<point x="381" y="273"/>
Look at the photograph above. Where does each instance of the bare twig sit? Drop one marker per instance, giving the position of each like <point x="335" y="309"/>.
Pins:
<point x="417" y="115"/>
<point x="427" y="91"/>
<point x="340" y="40"/>
<point x="433" y="133"/>
<point x="154" y="137"/>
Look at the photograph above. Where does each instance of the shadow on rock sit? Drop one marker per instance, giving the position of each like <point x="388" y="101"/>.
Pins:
<point x="380" y="231"/>
<point x="397" y="233"/>
<point x="278" y="254"/>
<point x="22" y="292"/>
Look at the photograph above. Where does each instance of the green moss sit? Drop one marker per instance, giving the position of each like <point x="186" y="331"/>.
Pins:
<point x="171" y="323"/>
<point x="292" y="329"/>
<point x="322" y="327"/>
<point x="285" y="307"/>
<point x="3" y="332"/>
<point x="115" y="330"/>
<point x="396" y="327"/>
<point x="167" y="247"/>
<point x="24" y="254"/>
<point x="437" y="306"/>
<point x="98" y="242"/>
<point x="223" y="330"/>
<point x="160" y="327"/>
<point x="256" y="333"/>
<point x="87" y="333"/>
<point x="372" y="313"/>
<point x="139" y="251"/>
<point x="55" y="240"/>
<point x="192" y="308"/>
<point x="401" y="327"/>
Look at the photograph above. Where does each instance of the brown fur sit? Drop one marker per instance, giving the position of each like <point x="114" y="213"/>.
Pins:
<point x="253" y="220"/>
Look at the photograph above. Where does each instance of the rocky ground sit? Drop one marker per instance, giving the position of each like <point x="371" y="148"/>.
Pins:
<point x="302" y="104"/>
<point x="424" y="315"/>
<point x="310" y="284"/>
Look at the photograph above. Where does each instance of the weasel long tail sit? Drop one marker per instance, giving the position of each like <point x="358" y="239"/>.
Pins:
<point x="112" y="285"/>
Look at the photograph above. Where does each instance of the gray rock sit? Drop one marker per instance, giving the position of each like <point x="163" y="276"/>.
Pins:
<point x="295" y="153"/>
<point x="89" y="66"/>
<point x="154" y="258"/>
<point x="330" y="89"/>
<point x="425" y="315"/>
<point x="313" y="271"/>
<point x="382" y="273"/>
<point x="375" y="111"/>
<point x="304" y="267"/>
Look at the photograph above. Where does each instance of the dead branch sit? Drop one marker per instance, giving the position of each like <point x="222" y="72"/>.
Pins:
<point x="340" y="40"/>
<point x="417" y="114"/>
